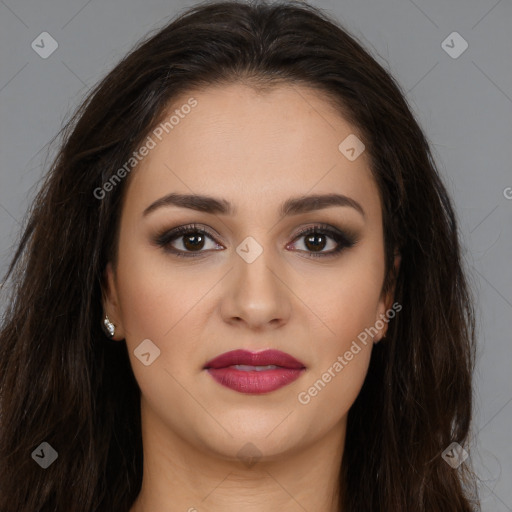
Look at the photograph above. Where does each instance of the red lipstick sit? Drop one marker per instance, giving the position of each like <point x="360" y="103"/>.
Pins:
<point x="254" y="372"/>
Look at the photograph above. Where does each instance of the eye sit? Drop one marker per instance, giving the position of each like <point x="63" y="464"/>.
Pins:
<point x="317" y="238"/>
<point x="192" y="239"/>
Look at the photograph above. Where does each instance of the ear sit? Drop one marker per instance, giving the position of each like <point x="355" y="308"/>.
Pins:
<point x="110" y="301"/>
<point x="386" y="301"/>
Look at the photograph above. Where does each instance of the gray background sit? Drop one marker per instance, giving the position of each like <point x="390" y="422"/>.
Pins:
<point x="464" y="105"/>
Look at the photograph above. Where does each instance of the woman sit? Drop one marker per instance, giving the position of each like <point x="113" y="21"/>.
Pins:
<point x="239" y="286"/>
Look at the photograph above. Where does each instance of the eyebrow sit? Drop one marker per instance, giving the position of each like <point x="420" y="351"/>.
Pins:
<point x="292" y="206"/>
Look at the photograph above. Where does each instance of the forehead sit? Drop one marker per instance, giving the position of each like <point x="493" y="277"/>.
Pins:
<point x="251" y="147"/>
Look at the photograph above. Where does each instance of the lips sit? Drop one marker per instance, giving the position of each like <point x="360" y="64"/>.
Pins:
<point x="254" y="372"/>
<point x="263" y="358"/>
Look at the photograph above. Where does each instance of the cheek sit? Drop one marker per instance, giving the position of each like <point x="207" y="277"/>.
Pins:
<point x="348" y="306"/>
<point x="348" y="301"/>
<point x="343" y="354"/>
<point x="150" y="292"/>
<point x="161" y="301"/>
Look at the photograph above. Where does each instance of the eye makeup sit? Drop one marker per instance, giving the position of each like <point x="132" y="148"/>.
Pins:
<point x="196" y="235"/>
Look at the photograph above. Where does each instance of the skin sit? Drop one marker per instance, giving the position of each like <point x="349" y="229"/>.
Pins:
<point x="255" y="150"/>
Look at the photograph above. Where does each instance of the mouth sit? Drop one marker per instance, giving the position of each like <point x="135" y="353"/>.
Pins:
<point x="255" y="372"/>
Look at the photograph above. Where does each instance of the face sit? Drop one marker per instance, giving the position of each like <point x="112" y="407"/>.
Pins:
<point x="246" y="274"/>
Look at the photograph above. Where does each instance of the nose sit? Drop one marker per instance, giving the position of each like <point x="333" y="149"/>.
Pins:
<point x="256" y="293"/>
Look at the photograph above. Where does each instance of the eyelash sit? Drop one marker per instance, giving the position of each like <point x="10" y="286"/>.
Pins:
<point x="343" y="239"/>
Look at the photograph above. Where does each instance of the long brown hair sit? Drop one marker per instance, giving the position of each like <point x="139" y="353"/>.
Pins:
<point x="63" y="383"/>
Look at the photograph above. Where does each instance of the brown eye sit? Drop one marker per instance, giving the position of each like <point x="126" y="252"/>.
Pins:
<point x="315" y="242"/>
<point x="193" y="241"/>
<point x="317" y="238"/>
<point x="186" y="240"/>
